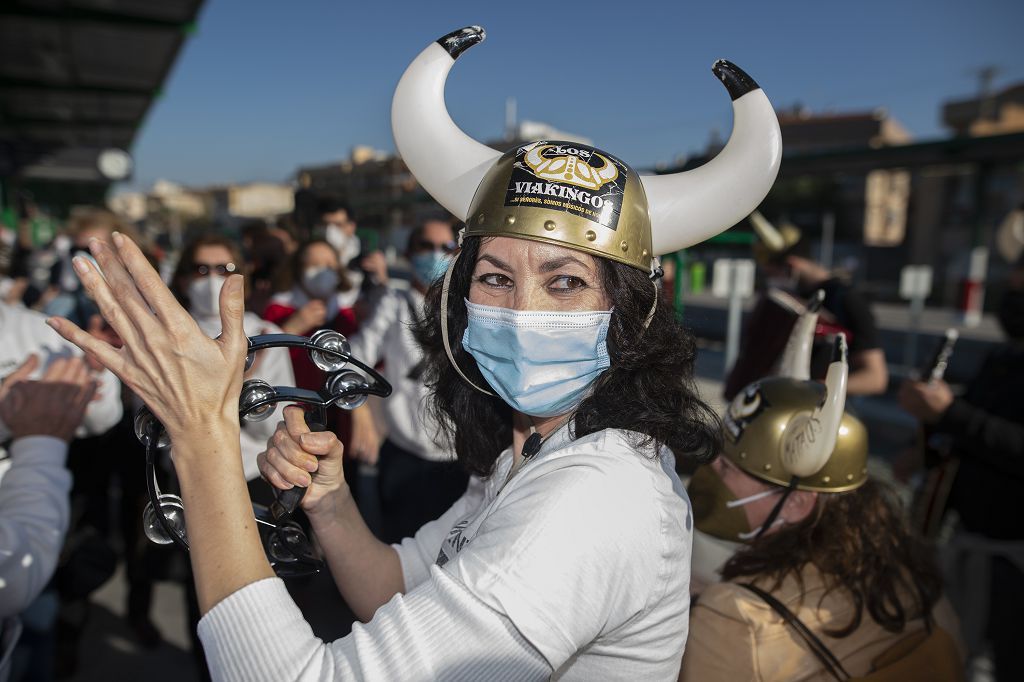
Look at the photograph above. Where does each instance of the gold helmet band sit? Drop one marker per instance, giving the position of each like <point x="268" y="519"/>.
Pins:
<point x="567" y="194"/>
<point x="574" y="195"/>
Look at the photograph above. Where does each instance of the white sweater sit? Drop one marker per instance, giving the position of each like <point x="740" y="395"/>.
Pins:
<point x="33" y="518"/>
<point x="576" y="569"/>
<point x="34" y="514"/>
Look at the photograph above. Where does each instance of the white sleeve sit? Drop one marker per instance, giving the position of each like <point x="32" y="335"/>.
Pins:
<point x="105" y="411"/>
<point x="367" y="343"/>
<point x="439" y="631"/>
<point x="33" y="518"/>
<point x="418" y="553"/>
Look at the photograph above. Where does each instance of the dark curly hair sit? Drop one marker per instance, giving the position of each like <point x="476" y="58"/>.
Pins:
<point x="648" y="389"/>
<point x="861" y="544"/>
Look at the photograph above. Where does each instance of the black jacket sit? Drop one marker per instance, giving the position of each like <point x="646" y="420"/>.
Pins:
<point x="987" y="426"/>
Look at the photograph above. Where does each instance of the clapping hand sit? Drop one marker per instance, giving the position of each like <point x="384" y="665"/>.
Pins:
<point x="53" y="405"/>
<point x="190" y="381"/>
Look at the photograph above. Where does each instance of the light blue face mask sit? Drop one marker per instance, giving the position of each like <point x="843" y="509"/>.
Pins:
<point x="429" y="266"/>
<point x="539" y="362"/>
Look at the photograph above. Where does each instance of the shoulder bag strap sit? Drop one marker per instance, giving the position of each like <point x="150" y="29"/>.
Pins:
<point x="817" y="647"/>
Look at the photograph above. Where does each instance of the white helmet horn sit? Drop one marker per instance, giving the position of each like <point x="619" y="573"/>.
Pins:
<point x="447" y="162"/>
<point x="811" y="437"/>
<point x="796" y="357"/>
<point x="767" y="233"/>
<point x="691" y="206"/>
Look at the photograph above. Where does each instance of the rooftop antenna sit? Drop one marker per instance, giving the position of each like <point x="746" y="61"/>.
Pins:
<point x="987" y="103"/>
<point x="511" y="131"/>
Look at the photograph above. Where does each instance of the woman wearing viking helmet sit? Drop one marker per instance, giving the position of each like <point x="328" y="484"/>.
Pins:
<point x="556" y="372"/>
<point x="826" y="581"/>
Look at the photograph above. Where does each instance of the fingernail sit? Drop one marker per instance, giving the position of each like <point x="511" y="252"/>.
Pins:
<point x="95" y="245"/>
<point x="80" y="264"/>
<point x="310" y="465"/>
<point x="308" y="480"/>
<point x="53" y="322"/>
<point x="118" y="239"/>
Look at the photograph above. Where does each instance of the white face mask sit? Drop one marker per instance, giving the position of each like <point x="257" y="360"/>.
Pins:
<point x="320" y="282"/>
<point x="347" y="245"/>
<point x="204" y="295"/>
<point x="743" y="501"/>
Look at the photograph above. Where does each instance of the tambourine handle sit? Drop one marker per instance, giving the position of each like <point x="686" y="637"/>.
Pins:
<point x="287" y="501"/>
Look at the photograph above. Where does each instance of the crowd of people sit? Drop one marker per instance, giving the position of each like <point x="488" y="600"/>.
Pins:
<point x="554" y="499"/>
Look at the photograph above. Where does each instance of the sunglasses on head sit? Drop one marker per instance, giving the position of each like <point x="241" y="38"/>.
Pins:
<point x="222" y="269"/>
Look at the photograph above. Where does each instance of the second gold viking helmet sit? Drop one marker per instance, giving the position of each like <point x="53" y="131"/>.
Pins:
<point x="782" y="428"/>
<point x="575" y="195"/>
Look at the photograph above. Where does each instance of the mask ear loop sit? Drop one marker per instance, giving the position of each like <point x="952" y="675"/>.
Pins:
<point x="444" y="318"/>
<point x="657" y="272"/>
<point x="777" y="509"/>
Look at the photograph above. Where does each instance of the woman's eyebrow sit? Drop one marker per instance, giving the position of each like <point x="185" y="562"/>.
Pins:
<point x="554" y="264"/>
<point x="497" y="262"/>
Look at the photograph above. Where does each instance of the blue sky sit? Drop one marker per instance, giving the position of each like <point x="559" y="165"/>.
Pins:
<point x="264" y="86"/>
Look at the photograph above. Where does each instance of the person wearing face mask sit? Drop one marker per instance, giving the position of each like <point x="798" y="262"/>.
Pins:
<point x="826" y="581"/>
<point x="339" y="230"/>
<point x="986" y="425"/>
<point x="367" y="272"/>
<point x="418" y="477"/>
<point x="556" y="369"/>
<point x="314" y="293"/>
<point x="205" y="264"/>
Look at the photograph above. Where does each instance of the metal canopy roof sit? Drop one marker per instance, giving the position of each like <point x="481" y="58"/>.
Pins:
<point x="78" y="76"/>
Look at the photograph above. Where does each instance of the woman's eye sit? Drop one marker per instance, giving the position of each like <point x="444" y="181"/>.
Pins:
<point x="495" y="279"/>
<point x="567" y="283"/>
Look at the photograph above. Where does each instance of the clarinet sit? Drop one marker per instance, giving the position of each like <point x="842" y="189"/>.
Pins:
<point x="929" y="502"/>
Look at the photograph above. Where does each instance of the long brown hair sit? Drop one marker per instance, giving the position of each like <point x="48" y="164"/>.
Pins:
<point x="861" y="544"/>
<point x="649" y="389"/>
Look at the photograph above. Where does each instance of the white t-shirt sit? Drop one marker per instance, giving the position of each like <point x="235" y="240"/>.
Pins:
<point x="387" y="335"/>
<point x="582" y="556"/>
<point x="586" y="549"/>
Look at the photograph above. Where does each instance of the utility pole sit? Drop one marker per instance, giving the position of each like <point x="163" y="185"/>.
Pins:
<point x="510" y="119"/>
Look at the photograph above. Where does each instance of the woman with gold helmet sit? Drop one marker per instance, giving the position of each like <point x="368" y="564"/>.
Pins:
<point x="556" y="372"/>
<point x="825" y="581"/>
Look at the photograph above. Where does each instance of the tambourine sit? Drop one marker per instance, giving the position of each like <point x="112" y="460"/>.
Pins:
<point x="286" y="544"/>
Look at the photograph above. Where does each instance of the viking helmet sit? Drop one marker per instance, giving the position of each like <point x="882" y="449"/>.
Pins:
<point x="783" y="428"/>
<point x="772" y="242"/>
<point x="575" y="195"/>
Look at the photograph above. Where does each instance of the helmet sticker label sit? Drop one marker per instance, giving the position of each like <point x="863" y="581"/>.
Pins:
<point x="743" y="409"/>
<point x="569" y="177"/>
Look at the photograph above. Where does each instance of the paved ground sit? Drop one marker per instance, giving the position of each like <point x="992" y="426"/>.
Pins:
<point x="109" y="651"/>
